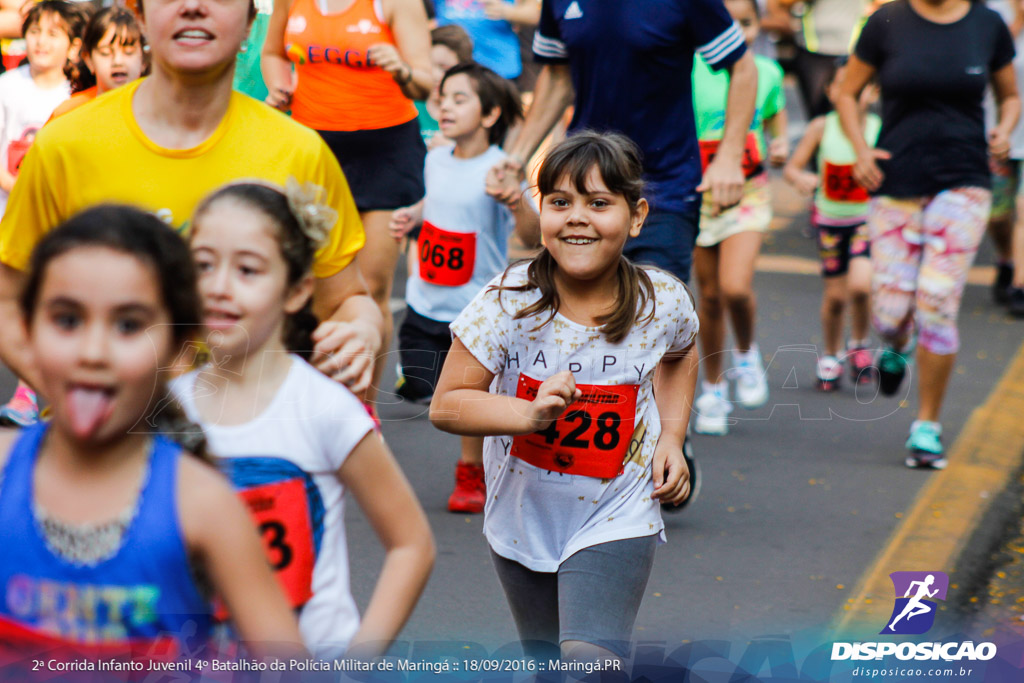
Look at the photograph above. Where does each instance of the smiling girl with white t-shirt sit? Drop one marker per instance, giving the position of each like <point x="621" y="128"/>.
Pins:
<point x="556" y="363"/>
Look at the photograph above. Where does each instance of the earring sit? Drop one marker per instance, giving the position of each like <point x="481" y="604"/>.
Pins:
<point x="244" y="48"/>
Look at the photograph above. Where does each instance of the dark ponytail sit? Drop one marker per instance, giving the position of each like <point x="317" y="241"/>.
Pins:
<point x="298" y="331"/>
<point x="168" y="419"/>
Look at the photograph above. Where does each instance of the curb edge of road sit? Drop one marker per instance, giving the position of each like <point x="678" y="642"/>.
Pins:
<point x="950" y="508"/>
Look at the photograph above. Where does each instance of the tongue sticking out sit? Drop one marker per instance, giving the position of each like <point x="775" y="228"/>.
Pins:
<point x="87" y="409"/>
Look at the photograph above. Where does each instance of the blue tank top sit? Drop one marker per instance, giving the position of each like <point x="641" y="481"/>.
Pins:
<point x="141" y="596"/>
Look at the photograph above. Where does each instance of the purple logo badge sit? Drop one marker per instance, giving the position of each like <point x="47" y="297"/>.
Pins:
<point x="914" y="611"/>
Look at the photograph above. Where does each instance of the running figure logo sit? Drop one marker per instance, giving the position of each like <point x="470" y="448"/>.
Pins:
<point x="914" y="614"/>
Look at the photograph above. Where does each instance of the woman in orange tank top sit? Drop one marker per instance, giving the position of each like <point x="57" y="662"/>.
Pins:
<point x="350" y="69"/>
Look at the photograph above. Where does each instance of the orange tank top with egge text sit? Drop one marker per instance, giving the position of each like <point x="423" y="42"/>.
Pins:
<point x="339" y="88"/>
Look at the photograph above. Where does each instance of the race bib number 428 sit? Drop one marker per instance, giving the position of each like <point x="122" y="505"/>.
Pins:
<point x="591" y="438"/>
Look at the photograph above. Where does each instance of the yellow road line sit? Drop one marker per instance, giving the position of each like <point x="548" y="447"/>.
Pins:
<point x="949" y="508"/>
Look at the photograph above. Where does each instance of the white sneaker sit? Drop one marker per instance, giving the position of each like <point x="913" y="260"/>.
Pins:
<point x="751" y="385"/>
<point x="829" y="372"/>
<point x="712" y="410"/>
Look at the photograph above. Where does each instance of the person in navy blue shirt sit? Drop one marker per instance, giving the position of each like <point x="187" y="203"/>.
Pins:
<point x="626" y="68"/>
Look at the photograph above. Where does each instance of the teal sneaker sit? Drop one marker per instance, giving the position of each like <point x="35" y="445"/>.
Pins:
<point x="925" y="446"/>
<point x="892" y="366"/>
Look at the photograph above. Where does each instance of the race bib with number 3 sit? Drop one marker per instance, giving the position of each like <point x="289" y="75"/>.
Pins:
<point x="281" y="514"/>
<point x="590" y="439"/>
<point x="446" y="258"/>
<point x="840" y="185"/>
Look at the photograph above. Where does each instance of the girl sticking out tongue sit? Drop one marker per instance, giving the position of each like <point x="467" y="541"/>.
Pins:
<point x="96" y="503"/>
<point x="88" y="408"/>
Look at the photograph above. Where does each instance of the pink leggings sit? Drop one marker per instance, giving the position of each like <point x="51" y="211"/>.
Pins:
<point x="921" y="250"/>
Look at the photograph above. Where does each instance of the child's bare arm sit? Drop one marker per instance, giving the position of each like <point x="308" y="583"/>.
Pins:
<point x="857" y="76"/>
<point x="527" y="221"/>
<point x="795" y="171"/>
<point x="6" y="180"/>
<point x="778" y="148"/>
<point x="220" y="531"/>
<point x="278" y="74"/>
<point x="388" y="501"/>
<point x="12" y="15"/>
<point x="463" y="405"/>
<point x="523" y="12"/>
<point x="405" y="219"/>
<point x="675" y="383"/>
<point x="6" y="177"/>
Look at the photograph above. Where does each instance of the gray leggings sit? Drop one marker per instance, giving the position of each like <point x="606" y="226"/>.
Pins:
<point x="593" y="597"/>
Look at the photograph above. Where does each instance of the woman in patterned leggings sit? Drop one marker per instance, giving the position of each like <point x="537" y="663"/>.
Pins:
<point x="929" y="175"/>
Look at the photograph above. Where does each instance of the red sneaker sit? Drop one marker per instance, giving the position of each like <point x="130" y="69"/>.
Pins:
<point x="470" y="490"/>
<point x="862" y="365"/>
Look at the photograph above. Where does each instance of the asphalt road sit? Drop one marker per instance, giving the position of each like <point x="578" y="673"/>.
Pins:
<point x="795" y="504"/>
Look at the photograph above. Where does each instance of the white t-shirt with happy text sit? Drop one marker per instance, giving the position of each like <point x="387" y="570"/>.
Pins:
<point x="539" y="517"/>
<point x="285" y="466"/>
<point x="24" y="108"/>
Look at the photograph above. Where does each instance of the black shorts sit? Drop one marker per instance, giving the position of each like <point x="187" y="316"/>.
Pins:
<point x="837" y="245"/>
<point x="423" y="345"/>
<point x="384" y="167"/>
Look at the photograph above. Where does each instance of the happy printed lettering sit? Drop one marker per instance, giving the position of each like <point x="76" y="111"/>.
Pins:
<point x="604" y="368"/>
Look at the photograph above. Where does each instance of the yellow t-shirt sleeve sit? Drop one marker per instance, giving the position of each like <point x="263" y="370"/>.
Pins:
<point x="33" y="208"/>
<point x="348" y="236"/>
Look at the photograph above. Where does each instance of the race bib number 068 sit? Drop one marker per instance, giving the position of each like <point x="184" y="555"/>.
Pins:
<point x="446" y="258"/>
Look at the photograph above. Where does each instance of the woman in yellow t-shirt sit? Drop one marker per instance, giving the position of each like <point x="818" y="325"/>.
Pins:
<point x="165" y="141"/>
